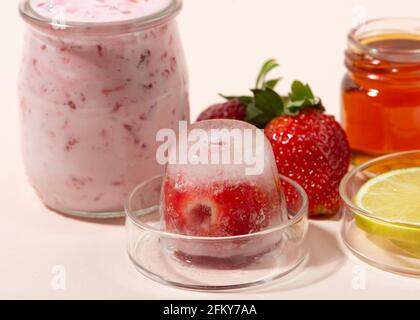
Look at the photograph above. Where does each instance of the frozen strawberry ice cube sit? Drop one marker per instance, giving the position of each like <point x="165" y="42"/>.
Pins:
<point x="233" y="190"/>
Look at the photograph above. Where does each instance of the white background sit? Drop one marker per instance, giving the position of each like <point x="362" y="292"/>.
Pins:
<point x="225" y="43"/>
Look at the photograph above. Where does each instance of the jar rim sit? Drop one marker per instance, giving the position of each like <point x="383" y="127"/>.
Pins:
<point x="119" y="26"/>
<point x="396" y="26"/>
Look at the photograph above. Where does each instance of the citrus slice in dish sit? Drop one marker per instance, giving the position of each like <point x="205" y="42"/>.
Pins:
<point x="393" y="200"/>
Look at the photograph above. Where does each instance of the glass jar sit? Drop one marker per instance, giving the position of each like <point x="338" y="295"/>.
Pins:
<point x="381" y="90"/>
<point x="98" y="80"/>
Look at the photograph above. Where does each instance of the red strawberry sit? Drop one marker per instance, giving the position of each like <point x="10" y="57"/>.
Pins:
<point x="217" y="210"/>
<point x="233" y="110"/>
<point x="312" y="149"/>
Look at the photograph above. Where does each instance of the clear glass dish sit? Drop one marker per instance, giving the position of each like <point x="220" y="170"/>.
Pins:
<point x="378" y="249"/>
<point x="210" y="264"/>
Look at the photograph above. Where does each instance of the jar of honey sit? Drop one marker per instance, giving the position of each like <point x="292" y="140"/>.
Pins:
<point x="381" y="90"/>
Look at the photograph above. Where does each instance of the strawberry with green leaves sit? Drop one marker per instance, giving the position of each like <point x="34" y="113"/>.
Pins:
<point x="310" y="146"/>
<point x="238" y="108"/>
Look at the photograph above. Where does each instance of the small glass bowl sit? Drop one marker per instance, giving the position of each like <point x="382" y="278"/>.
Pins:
<point x="378" y="248"/>
<point x="209" y="264"/>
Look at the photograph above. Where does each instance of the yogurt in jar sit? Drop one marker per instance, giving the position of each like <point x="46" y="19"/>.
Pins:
<point x="92" y="103"/>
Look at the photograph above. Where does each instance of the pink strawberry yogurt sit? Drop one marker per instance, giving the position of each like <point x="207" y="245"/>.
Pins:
<point x="93" y="96"/>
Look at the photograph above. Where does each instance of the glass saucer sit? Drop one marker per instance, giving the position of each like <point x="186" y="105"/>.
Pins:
<point x="209" y="264"/>
<point x="379" y="248"/>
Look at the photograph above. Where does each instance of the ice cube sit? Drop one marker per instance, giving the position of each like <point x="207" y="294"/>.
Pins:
<point x="222" y="181"/>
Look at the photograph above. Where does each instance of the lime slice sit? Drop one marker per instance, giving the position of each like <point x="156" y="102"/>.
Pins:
<point x="393" y="197"/>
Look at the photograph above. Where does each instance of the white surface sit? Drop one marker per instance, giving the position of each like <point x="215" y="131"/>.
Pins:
<point x="225" y="41"/>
